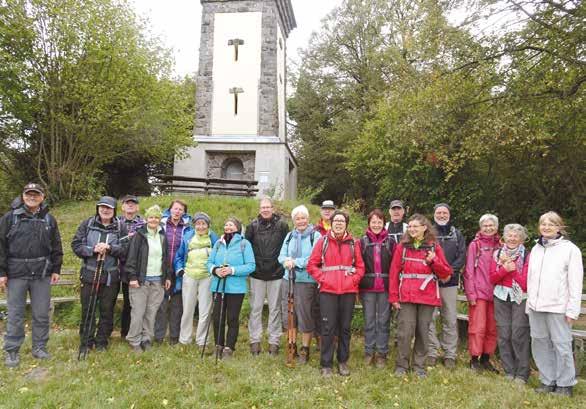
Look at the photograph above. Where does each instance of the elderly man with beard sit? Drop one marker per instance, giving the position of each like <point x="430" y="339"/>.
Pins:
<point x="453" y="244"/>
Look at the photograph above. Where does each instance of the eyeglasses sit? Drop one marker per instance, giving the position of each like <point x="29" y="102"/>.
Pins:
<point x="339" y="221"/>
<point x="414" y="226"/>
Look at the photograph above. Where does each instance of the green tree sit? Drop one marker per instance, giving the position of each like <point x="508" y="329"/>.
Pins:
<point x="81" y="89"/>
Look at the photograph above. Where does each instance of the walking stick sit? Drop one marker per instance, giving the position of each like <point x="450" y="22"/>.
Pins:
<point x="93" y="299"/>
<point x="291" y="324"/>
<point x="89" y="315"/>
<point x="220" y="320"/>
<point x="205" y="341"/>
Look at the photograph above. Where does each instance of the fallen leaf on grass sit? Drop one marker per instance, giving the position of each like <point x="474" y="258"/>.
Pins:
<point x="165" y="402"/>
<point x="23" y="389"/>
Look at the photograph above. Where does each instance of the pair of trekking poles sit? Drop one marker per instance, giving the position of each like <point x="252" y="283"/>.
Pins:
<point x="221" y="281"/>
<point x="88" y="321"/>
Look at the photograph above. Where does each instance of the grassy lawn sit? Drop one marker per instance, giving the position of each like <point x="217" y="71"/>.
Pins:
<point x="176" y="377"/>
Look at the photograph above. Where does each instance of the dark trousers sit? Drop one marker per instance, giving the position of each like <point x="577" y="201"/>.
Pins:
<point x="231" y="307"/>
<point x="513" y="337"/>
<point x="169" y="315"/>
<point x="106" y="299"/>
<point x="336" y="318"/>
<point x="413" y="321"/>
<point x="125" y="316"/>
<point x="40" y="294"/>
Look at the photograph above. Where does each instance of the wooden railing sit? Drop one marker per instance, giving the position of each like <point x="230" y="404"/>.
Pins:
<point x="232" y="187"/>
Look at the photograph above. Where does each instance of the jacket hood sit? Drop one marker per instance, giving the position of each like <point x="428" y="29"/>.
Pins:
<point x="166" y="214"/>
<point x="551" y="242"/>
<point x="487" y="239"/>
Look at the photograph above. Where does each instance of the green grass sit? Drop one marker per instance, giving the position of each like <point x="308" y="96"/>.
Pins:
<point x="176" y="377"/>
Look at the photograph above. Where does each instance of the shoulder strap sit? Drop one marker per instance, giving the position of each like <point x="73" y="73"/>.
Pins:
<point x="363" y="244"/>
<point x="311" y="238"/>
<point x="242" y="246"/>
<point x="352" y="250"/>
<point x="324" y="247"/>
<point x="403" y="258"/>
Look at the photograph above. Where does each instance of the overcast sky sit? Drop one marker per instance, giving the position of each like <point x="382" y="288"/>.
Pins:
<point x="178" y="22"/>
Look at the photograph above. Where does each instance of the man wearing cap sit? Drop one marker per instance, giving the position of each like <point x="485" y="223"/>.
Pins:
<point x="30" y="261"/>
<point x="453" y="244"/>
<point x="266" y="234"/>
<point x="395" y="227"/>
<point x="102" y="234"/>
<point x="324" y="224"/>
<point x="132" y="220"/>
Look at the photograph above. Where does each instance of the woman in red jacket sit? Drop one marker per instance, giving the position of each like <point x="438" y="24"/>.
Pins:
<point x="336" y="264"/>
<point x="418" y="263"/>
<point x="508" y="274"/>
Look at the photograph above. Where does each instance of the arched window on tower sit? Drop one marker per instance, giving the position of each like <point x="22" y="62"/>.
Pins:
<point x="233" y="169"/>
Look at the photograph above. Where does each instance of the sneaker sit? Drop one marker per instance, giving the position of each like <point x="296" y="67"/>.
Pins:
<point x="543" y="388"/>
<point x="564" y="391"/>
<point x="343" y="369"/>
<point x="475" y="365"/>
<point x="431" y="361"/>
<point x="450" y="363"/>
<point x="509" y="377"/>
<point x="273" y="350"/>
<point x="227" y="353"/>
<point x="255" y="348"/>
<point x="486" y="365"/>
<point x="12" y="359"/>
<point x="173" y="340"/>
<point x="145" y="345"/>
<point x="421" y="374"/>
<point x="137" y="349"/>
<point x="400" y="372"/>
<point x="41" y="353"/>
<point x="368" y="359"/>
<point x="326" y="372"/>
<point x="520" y="381"/>
<point x="303" y="355"/>
<point x="380" y="361"/>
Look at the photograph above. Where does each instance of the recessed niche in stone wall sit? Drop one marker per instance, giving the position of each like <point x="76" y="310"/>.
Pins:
<point x="225" y="165"/>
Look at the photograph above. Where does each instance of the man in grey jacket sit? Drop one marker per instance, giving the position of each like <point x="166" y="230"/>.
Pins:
<point x="453" y="244"/>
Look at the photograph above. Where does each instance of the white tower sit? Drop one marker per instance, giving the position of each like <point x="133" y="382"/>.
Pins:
<point x="240" y="123"/>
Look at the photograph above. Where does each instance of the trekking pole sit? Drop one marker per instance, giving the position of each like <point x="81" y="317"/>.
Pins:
<point x="291" y="325"/>
<point x="89" y="315"/>
<point x="220" y="320"/>
<point x="205" y="341"/>
<point x="93" y="299"/>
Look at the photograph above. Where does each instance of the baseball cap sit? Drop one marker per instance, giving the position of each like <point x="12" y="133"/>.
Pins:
<point x="33" y="187"/>
<point x="328" y="204"/>
<point x="129" y="198"/>
<point x="396" y="203"/>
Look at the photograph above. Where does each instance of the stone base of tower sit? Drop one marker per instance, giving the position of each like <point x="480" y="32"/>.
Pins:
<point x="270" y="163"/>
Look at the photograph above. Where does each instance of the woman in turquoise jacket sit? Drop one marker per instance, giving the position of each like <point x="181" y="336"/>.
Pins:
<point x="230" y="262"/>
<point x="294" y="254"/>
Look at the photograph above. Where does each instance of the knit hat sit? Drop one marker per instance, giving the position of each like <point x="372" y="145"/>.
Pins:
<point x="153" y="211"/>
<point x="442" y="205"/>
<point x="236" y="222"/>
<point x="202" y="216"/>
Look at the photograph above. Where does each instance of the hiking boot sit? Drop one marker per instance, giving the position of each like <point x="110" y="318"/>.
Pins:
<point x="450" y="363"/>
<point x="41" y="353"/>
<point x="255" y="348"/>
<point x="173" y="340"/>
<point x="326" y="372"/>
<point x="303" y="355"/>
<point x="475" y="364"/>
<point x="101" y="348"/>
<point x="219" y="350"/>
<point x="380" y="361"/>
<point x="145" y="345"/>
<point x="543" y="388"/>
<point x="273" y="350"/>
<point x="509" y="377"/>
<point x="206" y="350"/>
<point x="343" y="369"/>
<point x="12" y="359"/>
<point x="368" y="359"/>
<point x="431" y="361"/>
<point x="400" y="372"/>
<point x="421" y="374"/>
<point x="137" y="349"/>
<point x="486" y="365"/>
<point x="564" y="391"/>
<point x="520" y="381"/>
<point x="227" y="353"/>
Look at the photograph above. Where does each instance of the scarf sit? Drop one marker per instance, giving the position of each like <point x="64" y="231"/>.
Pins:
<point x="376" y="238"/>
<point x="297" y="238"/>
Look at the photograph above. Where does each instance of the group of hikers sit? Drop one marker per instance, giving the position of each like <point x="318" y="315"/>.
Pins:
<point x="170" y="263"/>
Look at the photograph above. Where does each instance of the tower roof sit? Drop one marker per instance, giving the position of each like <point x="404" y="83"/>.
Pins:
<point x="287" y="16"/>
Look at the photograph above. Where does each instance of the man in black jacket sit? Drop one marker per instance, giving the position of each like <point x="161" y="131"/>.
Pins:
<point x="30" y="261"/>
<point x="266" y="234"/>
<point x="102" y="234"/>
<point x="454" y="246"/>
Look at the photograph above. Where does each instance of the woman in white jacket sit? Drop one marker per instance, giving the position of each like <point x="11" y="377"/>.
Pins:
<point x="554" y="290"/>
